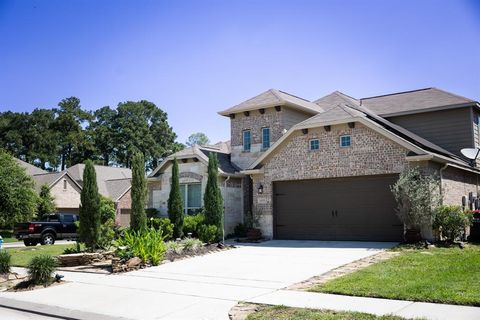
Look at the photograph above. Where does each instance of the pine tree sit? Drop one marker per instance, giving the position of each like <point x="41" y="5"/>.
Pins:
<point x="139" y="193"/>
<point x="212" y="198"/>
<point x="45" y="203"/>
<point x="175" y="205"/>
<point x="89" y="229"/>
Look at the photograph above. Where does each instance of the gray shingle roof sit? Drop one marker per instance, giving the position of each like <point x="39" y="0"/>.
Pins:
<point x="335" y="98"/>
<point x="224" y="161"/>
<point x="412" y="101"/>
<point x="112" y="182"/>
<point x="46" y="178"/>
<point x="335" y="113"/>
<point x="272" y="98"/>
<point x="29" y="168"/>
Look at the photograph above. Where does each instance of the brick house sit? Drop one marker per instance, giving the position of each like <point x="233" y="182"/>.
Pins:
<point x="66" y="186"/>
<point x="323" y="169"/>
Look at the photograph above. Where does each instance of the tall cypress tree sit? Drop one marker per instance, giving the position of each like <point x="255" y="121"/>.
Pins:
<point x="139" y="193"/>
<point x="212" y="198"/>
<point x="175" y="204"/>
<point x="89" y="229"/>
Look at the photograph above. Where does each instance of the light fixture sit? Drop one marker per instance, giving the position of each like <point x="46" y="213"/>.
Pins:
<point x="260" y="189"/>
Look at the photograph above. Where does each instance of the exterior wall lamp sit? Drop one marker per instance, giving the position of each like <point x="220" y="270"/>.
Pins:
<point x="260" y="189"/>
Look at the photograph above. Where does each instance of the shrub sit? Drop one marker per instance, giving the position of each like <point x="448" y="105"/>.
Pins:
<point x="138" y="193"/>
<point x="147" y="244"/>
<point x="40" y="269"/>
<point x="208" y="233"/>
<point x="174" y="246"/>
<point x="71" y="250"/>
<point x="451" y="221"/>
<point x="164" y="225"/>
<point x="89" y="228"/>
<point x="5" y="261"/>
<point x="240" y="230"/>
<point x="213" y="197"/>
<point x="175" y="203"/>
<point x="417" y="196"/>
<point x="191" y="244"/>
<point x="192" y="223"/>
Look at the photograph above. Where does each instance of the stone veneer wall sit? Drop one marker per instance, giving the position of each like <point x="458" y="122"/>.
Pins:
<point x="197" y="172"/>
<point x="66" y="199"/>
<point x="369" y="154"/>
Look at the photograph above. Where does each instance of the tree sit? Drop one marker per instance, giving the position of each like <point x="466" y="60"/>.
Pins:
<point x="68" y="125"/>
<point x="89" y="229"/>
<point x="212" y="198"/>
<point x="103" y="133"/>
<point x="18" y="199"/>
<point x="45" y="202"/>
<point x="139" y="193"/>
<point x="175" y="203"/>
<point x="417" y="197"/>
<point x="197" y="138"/>
<point x="107" y="222"/>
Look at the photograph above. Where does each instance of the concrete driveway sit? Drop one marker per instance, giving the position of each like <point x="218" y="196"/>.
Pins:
<point x="204" y="287"/>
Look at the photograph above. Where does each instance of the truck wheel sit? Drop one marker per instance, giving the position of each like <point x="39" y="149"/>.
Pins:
<point x="29" y="243"/>
<point x="48" y="239"/>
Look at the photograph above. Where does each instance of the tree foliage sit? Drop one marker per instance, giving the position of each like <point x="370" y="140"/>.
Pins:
<point x="175" y="204"/>
<point x="417" y="197"/>
<point x="67" y="134"/>
<point x="45" y="204"/>
<point x="139" y="193"/>
<point x="199" y="138"/>
<point x="18" y="199"/>
<point x="212" y="199"/>
<point x="89" y="229"/>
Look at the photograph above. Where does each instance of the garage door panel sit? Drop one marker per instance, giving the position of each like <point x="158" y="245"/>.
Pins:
<point x="362" y="207"/>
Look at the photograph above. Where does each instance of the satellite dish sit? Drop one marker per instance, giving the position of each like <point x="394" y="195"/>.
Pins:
<point x="470" y="153"/>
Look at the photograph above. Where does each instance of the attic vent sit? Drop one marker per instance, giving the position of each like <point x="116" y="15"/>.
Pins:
<point x="278" y="108"/>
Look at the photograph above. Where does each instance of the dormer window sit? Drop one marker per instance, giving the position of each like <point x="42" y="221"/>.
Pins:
<point x="246" y="140"/>
<point x="265" y="138"/>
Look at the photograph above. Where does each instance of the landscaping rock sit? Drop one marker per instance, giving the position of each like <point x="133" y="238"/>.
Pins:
<point x="134" y="262"/>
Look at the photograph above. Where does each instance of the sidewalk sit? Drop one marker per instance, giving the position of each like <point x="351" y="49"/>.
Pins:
<point x="380" y="307"/>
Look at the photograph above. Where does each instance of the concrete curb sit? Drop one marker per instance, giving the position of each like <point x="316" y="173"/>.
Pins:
<point x="53" y="311"/>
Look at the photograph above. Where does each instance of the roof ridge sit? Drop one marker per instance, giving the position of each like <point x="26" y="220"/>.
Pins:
<point x="275" y="93"/>
<point x="453" y="94"/>
<point x="396" y="93"/>
<point x="292" y="95"/>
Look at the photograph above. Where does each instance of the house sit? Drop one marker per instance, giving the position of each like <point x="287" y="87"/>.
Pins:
<point x="66" y="187"/>
<point x="323" y="169"/>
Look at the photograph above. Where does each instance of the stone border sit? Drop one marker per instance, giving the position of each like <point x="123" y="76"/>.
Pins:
<point x="343" y="270"/>
<point x="242" y="310"/>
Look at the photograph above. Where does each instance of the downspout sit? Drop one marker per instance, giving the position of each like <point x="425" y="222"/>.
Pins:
<point x="441" y="180"/>
<point x="223" y="220"/>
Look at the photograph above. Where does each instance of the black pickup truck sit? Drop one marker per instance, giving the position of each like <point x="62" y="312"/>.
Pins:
<point x="56" y="226"/>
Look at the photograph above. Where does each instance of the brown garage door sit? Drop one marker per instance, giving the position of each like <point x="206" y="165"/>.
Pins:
<point x="358" y="208"/>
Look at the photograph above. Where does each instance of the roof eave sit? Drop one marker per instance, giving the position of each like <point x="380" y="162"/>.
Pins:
<point x="437" y="108"/>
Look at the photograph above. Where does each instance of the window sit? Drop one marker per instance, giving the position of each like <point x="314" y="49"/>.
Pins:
<point x="345" y="141"/>
<point x="65" y="183"/>
<point x="156" y="198"/>
<point x="314" y="144"/>
<point x="246" y="140"/>
<point x="191" y="197"/>
<point x="265" y="138"/>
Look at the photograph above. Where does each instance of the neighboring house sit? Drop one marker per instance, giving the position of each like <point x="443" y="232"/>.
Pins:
<point x="323" y="169"/>
<point x="66" y="186"/>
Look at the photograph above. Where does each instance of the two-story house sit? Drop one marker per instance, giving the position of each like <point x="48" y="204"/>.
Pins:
<point x="323" y="169"/>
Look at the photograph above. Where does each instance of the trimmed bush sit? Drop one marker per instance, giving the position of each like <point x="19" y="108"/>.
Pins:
<point x="163" y="224"/>
<point x="192" y="223"/>
<point x="5" y="261"/>
<point x="40" y="269"/>
<point x="213" y="197"/>
<point x="89" y="228"/>
<point x="138" y="193"/>
<point x="208" y="233"/>
<point x="451" y="221"/>
<point x="175" y="203"/>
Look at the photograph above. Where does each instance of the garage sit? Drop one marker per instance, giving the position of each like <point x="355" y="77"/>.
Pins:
<point x="353" y="208"/>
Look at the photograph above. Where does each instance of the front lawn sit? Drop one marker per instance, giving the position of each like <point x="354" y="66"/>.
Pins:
<point x="444" y="275"/>
<point x="284" y="313"/>
<point x="22" y="256"/>
<point x="7" y="236"/>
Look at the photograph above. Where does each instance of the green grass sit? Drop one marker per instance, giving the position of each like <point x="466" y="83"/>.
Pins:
<point x="7" y="236"/>
<point x="22" y="256"/>
<point x="284" y="313"/>
<point x="444" y="275"/>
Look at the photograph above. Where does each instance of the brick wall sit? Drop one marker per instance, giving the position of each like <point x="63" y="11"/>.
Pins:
<point x="369" y="154"/>
<point x="68" y="198"/>
<point x="457" y="183"/>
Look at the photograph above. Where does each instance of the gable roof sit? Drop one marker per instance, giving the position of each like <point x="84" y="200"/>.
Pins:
<point x="272" y="98"/>
<point x="225" y="164"/>
<point x="30" y="169"/>
<point x="112" y="182"/>
<point x="421" y="100"/>
<point x="344" y="114"/>
<point x="50" y="178"/>
<point x="336" y="98"/>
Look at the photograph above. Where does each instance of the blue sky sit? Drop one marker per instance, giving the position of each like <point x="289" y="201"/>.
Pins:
<point x="194" y="58"/>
